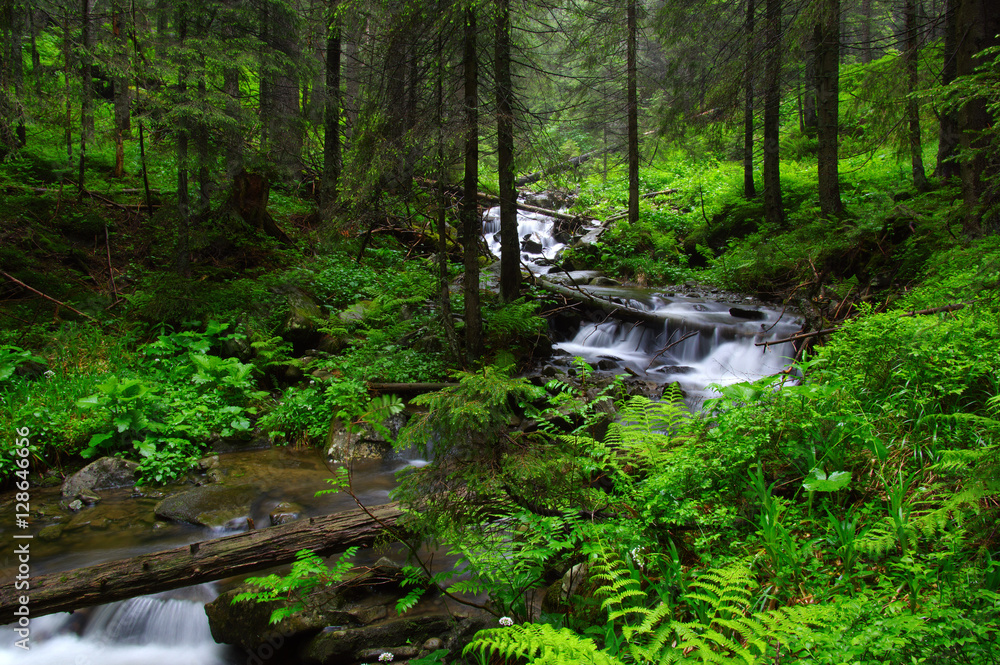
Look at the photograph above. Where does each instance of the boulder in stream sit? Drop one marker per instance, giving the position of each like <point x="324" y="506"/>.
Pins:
<point x="209" y="505"/>
<point x="105" y="473"/>
<point x="342" y="445"/>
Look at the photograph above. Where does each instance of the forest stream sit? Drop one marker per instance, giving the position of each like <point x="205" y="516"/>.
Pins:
<point x="709" y="338"/>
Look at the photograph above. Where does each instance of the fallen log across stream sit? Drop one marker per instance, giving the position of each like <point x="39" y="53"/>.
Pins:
<point x="196" y="563"/>
<point x="618" y="310"/>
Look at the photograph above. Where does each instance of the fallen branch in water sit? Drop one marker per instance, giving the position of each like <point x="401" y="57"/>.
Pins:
<point x="670" y="346"/>
<point x="196" y="563"/>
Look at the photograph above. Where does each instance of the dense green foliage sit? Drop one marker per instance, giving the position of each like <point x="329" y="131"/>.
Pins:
<point x="842" y="512"/>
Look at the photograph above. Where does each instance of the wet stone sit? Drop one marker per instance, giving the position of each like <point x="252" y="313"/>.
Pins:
<point x="51" y="533"/>
<point x="284" y="513"/>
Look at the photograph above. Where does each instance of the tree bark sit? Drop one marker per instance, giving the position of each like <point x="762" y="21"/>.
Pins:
<point x="444" y="291"/>
<point x="201" y="562"/>
<point x="827" y="39"/>
<point x="866" y="31"/>
<point x="810" y="121"/>
<point x="15" y="18"/>
<point x="510" y="250"/>
<point x="231" y="89"/>
<point x="331" y="115"/>
<point x="749" y="191"/>
<point x="633" y="114"/>
<point x="949" y="137"/>
<point x="912" y="109"/>
<point x="183" y="195"/>
<point x="284" y="126"/>
<point x="471" y="223"/>
<point x="773" y="209"/>
<point x="120" y="81"/>
<point x="86" y="75"/>
<point x="978" y="25"/>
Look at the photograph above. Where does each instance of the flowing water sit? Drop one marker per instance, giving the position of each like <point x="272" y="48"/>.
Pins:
<point x="702" y="340"/>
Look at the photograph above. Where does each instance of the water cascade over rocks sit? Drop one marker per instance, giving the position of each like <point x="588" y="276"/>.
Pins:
<point x="707" y="336"/>
<point x="703" y="337"/>
<point x="162" y="629"/>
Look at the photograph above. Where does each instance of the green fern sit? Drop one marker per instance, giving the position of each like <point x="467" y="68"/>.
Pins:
<point x="540" y="644"/>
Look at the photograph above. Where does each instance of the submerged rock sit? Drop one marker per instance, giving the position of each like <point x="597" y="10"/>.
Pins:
<point x="209" y="505"/>
<point x="347" y="645"/>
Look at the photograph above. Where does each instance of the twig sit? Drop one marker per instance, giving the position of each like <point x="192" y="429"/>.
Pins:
<point x="58" y="302"/>
<point x="670" y="346"/>
<point x="797" y="337"/>
<point x="111" y="270"/>
<point x="935" y="310"/>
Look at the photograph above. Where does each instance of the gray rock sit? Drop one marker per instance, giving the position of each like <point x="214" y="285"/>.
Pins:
<point x="751" y="314"/>
<point x="50" y="533"/>
<point x="303" y="311"/>
<point x="342" y="446"/>
<point x="531" y="246"/>
<point x="359" y="311"/>
<point x="105" y="473"/>
<point x="209" y="462"/>
<point x="284" y="513"/>
<point x="408" y="651"/>
<point x="333" y="647"/>
<point x="247" y="624"/>
<point x="209" y="505"/>
<point x="604" y="281"/>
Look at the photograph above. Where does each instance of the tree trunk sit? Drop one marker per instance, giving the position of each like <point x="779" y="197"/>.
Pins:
<point x="949" y="136"/>
<point x="206" y="561"/>
<point x="120" y="82"/>
<point x="912" y="108"/>
<point x="633" y="114"/>
<point x="86" y="75"/>
<point x="809" y="118"/>
<point x="231" y="89"/>
<point x="866" y="31"/>
<point x="36" y="57"/>
<point x="16" y="18"/>
<point x="142" y="138"/>
<point x="978" y="25"/>
<point x="827" y="39"/>
<point x="444" y="293"/>
<point x="183" y="201"/>
<point x="284" y="126"/>
<point x="510" y="250"/>
<point x="331" y="115"/>
<point x="773" y="209"/>
<point x="69" y="99"/>
<point x="471" y="224"/>
<point x="749" y="191"/>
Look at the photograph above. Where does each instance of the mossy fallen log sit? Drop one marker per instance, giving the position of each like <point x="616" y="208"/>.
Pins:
<point x="196" y="563"/>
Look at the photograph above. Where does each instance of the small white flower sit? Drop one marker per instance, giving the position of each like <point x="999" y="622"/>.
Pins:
<point x="385" y="657"/>
<point x="506" y="621"/>
<point x="49" y="374"/>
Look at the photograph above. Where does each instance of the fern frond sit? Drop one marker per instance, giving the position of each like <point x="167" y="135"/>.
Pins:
<point x="538" y="643"/>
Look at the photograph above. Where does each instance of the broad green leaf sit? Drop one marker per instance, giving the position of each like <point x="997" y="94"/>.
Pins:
<point x="818" y="481"/>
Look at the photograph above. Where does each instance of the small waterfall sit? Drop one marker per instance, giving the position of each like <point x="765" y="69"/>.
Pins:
<point x="700" y="343"/>
<point x="534" y="236"/>
<point x="721" y="349"/>
<point x="161" y="629"/>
